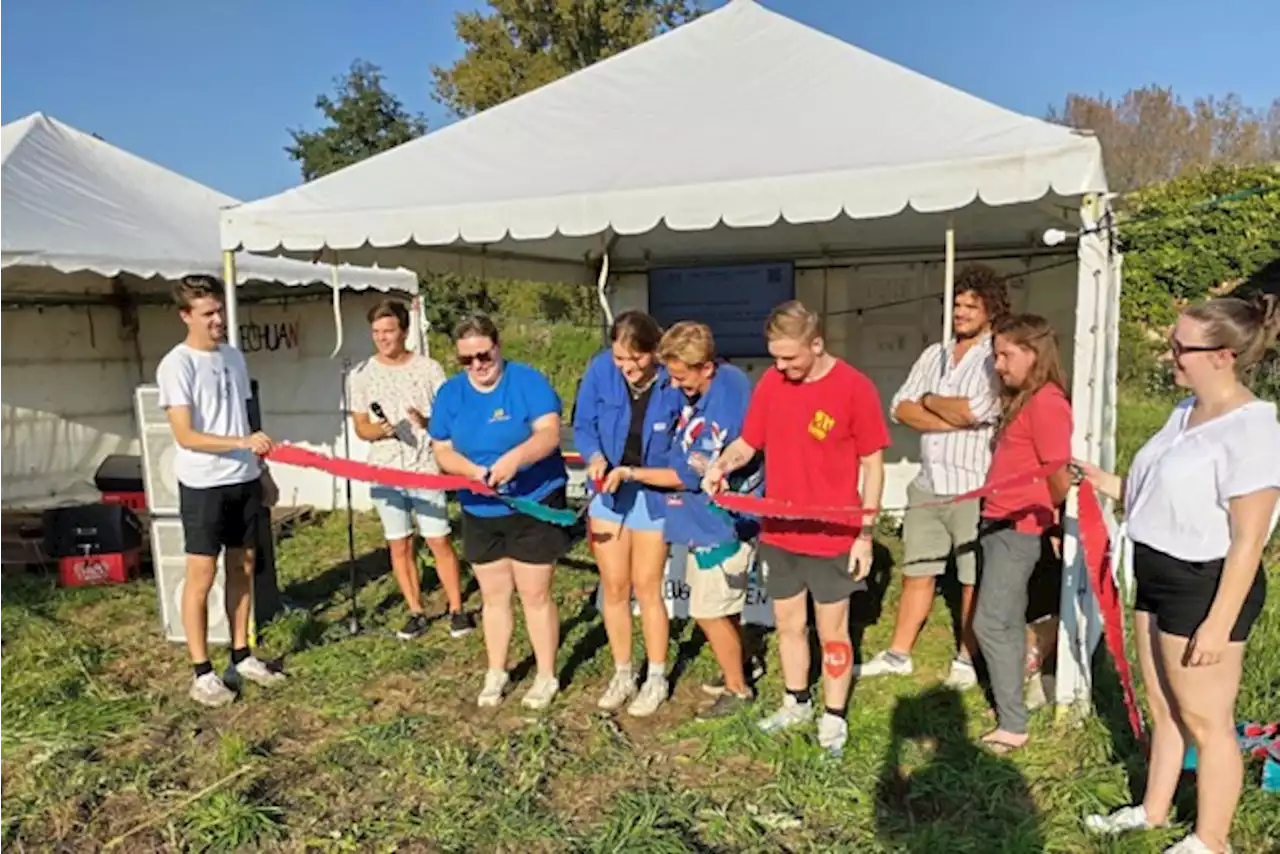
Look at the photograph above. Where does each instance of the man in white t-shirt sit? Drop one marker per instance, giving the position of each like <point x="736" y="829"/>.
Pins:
<point x="222" y="483"/>
<point x="390" y="400"/>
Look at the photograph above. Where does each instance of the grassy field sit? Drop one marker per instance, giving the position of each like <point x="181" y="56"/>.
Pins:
<point x="376" y="745"/>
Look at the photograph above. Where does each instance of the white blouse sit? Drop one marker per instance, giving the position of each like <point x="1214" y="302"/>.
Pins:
<point x="1181" y="482"/>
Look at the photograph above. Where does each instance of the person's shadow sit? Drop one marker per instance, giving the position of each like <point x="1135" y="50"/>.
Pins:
<point x="940" y="791"/>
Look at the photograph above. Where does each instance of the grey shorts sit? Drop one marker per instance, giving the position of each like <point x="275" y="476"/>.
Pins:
<point x="787" y="574"/>
<point x="933" y="535"/>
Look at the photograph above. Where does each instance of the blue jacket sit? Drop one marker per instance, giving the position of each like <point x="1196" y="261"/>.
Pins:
<point x="602" y="418"/>
<point x="705" y="428"/>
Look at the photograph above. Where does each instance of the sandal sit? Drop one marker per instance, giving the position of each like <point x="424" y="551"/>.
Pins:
<point x="999" y="746"/>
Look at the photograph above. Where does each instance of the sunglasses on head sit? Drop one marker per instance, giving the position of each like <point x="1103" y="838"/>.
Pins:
<point x="480" y="358"/>
<point x="1179" y="348"/>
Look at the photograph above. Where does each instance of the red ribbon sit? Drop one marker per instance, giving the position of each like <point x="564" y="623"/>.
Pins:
<point x="292" y="455"/>
<point x="1093" y="530"/>
<point x="854" y="515"/>
<point x="1096" y="543"/>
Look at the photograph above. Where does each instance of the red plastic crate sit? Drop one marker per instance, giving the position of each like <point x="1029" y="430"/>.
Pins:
<point x="89" y="570"/>
<point x="135" y="501"/>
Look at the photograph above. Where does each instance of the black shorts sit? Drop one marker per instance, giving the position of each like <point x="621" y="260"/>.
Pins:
<point x="218" y="517"/>
<point x="788" y="574"/>
<point x="1180" y="592"/>
<point x="486" y="539"/>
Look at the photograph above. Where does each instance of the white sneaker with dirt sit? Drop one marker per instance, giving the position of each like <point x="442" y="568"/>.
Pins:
<point x="652" y="694"/>
<point x="833" y="732"/>
<point x="542" y="693"/>
<point x="1122" y="820"/>
<point x="622" y="687"/>
<point x="963" y="676"/>
<point x="252" y="669"/>
<point x="1191" y="845"/>
<point x="209" y="690"/>
<point x="790" y="714"/>
<point x="495" y="683"/>
<point x="887" y="663"/>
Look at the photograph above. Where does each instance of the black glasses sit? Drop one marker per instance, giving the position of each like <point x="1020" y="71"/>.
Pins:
<point x="1179" y="348"/>
<point x="481" y="358"/>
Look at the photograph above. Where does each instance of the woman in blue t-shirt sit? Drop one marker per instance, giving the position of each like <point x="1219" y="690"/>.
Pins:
<point x="499" y="422"/>
<point x="621" y="423"/>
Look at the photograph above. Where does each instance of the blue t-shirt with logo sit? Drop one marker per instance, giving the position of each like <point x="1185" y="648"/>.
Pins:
<point x="704" y="429"/>
<point x="484" y="425"/>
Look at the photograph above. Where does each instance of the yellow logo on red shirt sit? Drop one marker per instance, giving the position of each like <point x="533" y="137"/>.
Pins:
<point x="821" y="425"/>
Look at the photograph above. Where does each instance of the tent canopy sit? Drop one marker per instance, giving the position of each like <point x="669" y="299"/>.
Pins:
<point x="75" y="204"/>
<point x="742" y="119"/>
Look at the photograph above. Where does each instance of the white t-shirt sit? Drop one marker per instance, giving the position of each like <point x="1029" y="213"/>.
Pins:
<point x="215" y="385"/>
<point x="1181" y="482"/>
<point x="395" y="388"/>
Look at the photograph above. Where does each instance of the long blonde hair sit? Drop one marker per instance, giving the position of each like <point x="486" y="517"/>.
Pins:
<point x="1031" y="332"/>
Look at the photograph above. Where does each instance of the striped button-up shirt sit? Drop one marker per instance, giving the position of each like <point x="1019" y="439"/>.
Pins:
<point x="955" y="461"/>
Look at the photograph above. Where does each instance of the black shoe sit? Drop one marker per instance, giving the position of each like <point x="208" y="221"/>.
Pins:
<point x="726" y="705"/>
<point x="414" y="627"/>
<point x="461" y="624"/>
<point x="755" y="669"/>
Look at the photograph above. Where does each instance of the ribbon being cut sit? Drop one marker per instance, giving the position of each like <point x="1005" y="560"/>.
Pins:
<point x="1094" y="538"/>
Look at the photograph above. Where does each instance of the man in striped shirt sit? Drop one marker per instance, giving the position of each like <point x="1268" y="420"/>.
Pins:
<point x="952" y="398"/>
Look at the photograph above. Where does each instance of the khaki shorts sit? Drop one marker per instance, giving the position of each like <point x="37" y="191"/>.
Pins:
<point x="719" y="591"/>
<point x="932" y="535"/>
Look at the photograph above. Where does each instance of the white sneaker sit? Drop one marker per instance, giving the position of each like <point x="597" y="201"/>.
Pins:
<point x="543" y="691"/>
<point x="963" y="676"/>
<point x="788" y="715"/>
<point x="622" y="687"/>
<point x="1191" y="845"/>
<point x="652" y="694"/>
<point x="1122" y="820"/>
<point x="833" y="732"/>
<point x="495" y="683"/>
<point x="882" y="664"/>
<point x="209" y="690"/>
<point x="252" y="669"/>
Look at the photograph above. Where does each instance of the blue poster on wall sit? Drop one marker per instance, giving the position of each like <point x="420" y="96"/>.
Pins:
<point x="734" y="301"/>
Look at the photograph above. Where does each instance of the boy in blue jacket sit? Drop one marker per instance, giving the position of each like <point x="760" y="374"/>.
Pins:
<point x="722" y="546"/>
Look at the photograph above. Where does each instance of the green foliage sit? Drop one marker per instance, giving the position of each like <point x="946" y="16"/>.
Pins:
<point x="1181" y="247"/>
<point x="521" y="45"/>
<point x="362" y="119"/>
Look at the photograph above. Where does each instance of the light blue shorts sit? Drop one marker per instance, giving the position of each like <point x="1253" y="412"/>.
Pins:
<point x="398" y="508"/>
<point x="631" y="509"/>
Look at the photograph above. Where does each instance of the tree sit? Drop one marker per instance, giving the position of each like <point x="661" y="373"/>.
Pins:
<point x="363" y="119"/>
<point x="524" y="44"/>
<point x="1149" y="135"/>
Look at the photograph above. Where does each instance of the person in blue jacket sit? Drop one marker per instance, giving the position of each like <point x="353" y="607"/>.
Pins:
<point x="499" y="422"/>
<point x="722" y="546"/>
<point x="621" y="425"/>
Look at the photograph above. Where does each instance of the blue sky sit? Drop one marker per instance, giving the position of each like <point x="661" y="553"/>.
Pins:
<point x="211" y="89"/>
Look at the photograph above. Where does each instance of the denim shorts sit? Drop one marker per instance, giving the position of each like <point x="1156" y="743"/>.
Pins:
<point x="630" y="508"/>
<point x="398" y="508"/>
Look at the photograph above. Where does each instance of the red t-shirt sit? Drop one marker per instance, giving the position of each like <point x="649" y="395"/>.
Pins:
<point x="813" y="435"/>
<point x="1041" y="433"/>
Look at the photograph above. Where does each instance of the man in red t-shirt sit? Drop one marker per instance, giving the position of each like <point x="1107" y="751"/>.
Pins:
<point x="820" y="425"/>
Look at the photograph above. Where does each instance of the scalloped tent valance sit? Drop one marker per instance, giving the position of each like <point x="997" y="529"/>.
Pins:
<point x="742" y="119"/>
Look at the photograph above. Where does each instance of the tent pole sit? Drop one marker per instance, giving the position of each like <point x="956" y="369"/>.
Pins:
<point x="949" y="282"/>
<point x="229" y="282"/>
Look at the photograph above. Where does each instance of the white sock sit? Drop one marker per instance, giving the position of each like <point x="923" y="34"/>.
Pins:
<point x="622" y="669"/>
<point x="657" y="669"/>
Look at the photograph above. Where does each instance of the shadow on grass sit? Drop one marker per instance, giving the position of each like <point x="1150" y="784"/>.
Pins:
<point x="938" y="791"/>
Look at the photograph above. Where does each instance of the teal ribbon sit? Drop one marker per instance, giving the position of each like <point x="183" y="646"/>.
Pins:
<point x="714" y="556"/>
<point x="541" y="512"/>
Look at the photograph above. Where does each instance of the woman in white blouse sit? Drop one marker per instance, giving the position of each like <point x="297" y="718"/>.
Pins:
<point x="1201" y="502"/>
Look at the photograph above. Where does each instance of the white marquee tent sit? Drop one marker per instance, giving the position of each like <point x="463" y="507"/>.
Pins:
<point x="745" y="136"/>
<point x="93" y="238"/>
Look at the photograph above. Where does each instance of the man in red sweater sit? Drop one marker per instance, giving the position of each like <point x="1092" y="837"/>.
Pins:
<point x="823" y="434"/>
